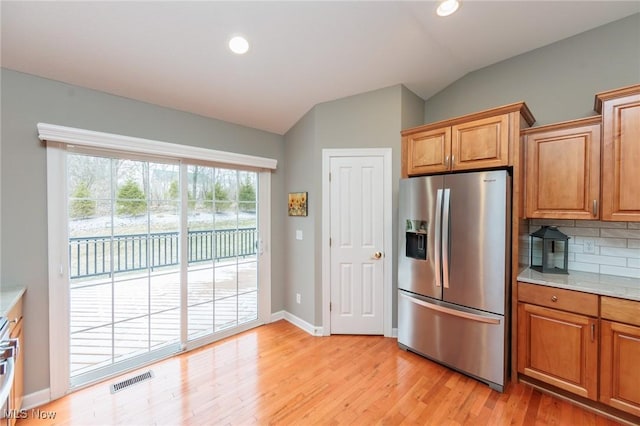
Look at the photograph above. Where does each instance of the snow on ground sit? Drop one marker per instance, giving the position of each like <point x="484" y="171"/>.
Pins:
<point x="159" y="221"/>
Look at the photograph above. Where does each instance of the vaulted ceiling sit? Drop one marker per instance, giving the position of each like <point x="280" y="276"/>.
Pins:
<point x="302" y="53"/>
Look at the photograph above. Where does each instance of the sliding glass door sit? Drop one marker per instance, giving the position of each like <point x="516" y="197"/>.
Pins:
<point x="223" y="238"/>
<point x="153" y="248"/>
<point x="124" y="286"/>
<point x="131" y="246"/>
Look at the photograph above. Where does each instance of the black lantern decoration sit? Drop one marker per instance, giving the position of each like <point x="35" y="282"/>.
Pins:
<point x="555" y="250"/>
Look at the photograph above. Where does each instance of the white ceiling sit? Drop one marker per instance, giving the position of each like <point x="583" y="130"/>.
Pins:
<point x="302" y="53"/>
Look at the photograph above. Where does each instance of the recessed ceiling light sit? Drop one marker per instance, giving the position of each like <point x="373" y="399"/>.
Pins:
<point x="447" y="7"/>
<point x="239" y="45"/>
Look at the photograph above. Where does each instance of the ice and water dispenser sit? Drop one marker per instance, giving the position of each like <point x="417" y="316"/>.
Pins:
<point x="416" y="237"/>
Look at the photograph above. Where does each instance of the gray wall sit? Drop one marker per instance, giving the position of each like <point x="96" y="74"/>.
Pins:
<point x="301" y="172"/>
<point x="369" y="120"/>
<point x="27" y="100"/>
<point x="558" y="82"/>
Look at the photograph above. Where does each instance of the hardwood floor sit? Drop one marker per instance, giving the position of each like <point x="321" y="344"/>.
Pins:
<point x="278" y="374"/>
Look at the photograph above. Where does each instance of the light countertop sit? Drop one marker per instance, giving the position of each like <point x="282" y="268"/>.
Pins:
<point x="8" y="298"/>
<point x="587" y="282"/>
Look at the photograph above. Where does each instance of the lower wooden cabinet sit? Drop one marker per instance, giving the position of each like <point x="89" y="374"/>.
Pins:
<point x="17" y="391"/>
<point x="15" y="332"/>
<point x="583" y="343"/>
<point x="559" y="348"/>
<point x="620" y="354"/>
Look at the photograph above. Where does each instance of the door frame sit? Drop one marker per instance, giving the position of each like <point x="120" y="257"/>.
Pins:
<point x="387" y="291"/>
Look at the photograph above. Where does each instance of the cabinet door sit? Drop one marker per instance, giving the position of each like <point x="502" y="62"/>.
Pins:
<point x="563" y="173"/>
<point x="429" y="151"/>
<point x="620" y="159"/>
<point x="480" y="143"/>
<point x="619" y="372"/>
<point x="558" y="348"/>
<point x="17" y="389"/>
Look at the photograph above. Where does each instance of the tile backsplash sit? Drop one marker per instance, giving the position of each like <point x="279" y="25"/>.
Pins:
<point x="611" y="248"/>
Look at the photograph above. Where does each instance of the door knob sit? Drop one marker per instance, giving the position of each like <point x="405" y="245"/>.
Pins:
<point x="377" y="255"/>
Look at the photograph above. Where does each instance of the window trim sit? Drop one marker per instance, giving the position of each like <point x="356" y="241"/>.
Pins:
<point x="112" y="141"/>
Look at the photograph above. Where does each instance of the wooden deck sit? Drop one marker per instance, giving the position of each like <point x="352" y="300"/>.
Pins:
<point x="111" y="321"/>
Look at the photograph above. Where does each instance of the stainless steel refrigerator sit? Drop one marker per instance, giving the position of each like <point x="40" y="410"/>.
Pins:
<point x="454" y="271"/>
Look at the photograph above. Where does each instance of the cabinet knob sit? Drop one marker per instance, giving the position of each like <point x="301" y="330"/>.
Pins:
<point x="554" y="298"/>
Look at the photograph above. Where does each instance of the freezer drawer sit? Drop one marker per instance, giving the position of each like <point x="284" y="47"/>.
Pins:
<point x="467" y="340"/>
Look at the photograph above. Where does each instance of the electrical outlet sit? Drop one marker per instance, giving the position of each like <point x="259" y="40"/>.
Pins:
<point x="589" y="246"/>
<point x="298" y="298"/>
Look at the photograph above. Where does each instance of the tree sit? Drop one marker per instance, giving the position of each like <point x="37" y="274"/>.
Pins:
<point x="174" y="191"/>
<point x="81" y="206"/>
<point x="247" y="196"/>
<point x="131" y="200"/>
<point x="220" y="196"/>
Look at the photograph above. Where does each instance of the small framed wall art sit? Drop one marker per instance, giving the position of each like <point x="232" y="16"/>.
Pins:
<point x="298" y="204"/>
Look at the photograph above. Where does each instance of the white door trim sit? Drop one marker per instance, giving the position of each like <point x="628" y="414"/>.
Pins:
<point x="58" y="271"/>
<point x="327" y="154"/>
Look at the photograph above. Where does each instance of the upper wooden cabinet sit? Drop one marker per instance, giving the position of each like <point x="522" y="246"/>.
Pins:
<point x="562" y="173"/>
<point x="428" y="151"/>
<point x="477" y="141"/>
<point x="481" y="143"/>
<point x="620" y="111"/>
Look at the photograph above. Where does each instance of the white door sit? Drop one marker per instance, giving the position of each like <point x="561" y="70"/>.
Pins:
<point x="357" y="244"/>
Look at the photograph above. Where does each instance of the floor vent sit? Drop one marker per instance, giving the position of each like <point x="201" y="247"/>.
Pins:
<point x="116" y="387"/>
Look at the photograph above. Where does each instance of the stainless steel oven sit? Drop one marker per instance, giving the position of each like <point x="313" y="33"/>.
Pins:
<point x="8" y="350"/>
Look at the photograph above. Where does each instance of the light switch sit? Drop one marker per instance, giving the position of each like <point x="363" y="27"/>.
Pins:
<point x="298" y="234"/>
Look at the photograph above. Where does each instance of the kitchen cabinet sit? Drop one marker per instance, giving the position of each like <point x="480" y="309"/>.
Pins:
<point x="15" y="332"/>
<point x="557" y="338"/>
<point x="562" y="170"/>
<point x="620" y="354"/>
<point x="620" y="111"/>
<point x="428" y="151"/>
<point x="476" y="141"/>
<point x="479" y="144"/>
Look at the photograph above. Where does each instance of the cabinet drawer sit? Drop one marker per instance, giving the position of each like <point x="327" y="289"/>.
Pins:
<point x="15" y="315"/>
<point x="621" y="310"/>
<point x="557" y="298"/>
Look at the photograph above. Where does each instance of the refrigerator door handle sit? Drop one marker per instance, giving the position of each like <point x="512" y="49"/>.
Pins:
<point x="450" y="311"/>
<point x="445" y="237"/>
<point x="438" y="239"/>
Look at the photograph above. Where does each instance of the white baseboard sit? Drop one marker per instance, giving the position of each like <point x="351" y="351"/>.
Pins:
<point x="36" y="399"/>
<point x="309" y="328"/>
<point x="298" y="322"/>
<point x="302" y="324"/>
<point x="277" y="316"/>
